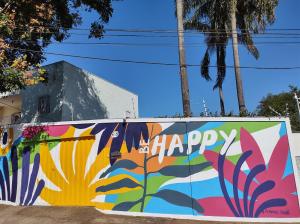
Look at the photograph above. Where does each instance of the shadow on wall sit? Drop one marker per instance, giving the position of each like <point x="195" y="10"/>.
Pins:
<point x="53" y="89"/>
<point x="73" y="95"/>
<point x="82" y="99"/>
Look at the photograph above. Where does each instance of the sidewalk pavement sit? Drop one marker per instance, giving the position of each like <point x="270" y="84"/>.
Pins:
<point x="76" y="215"/>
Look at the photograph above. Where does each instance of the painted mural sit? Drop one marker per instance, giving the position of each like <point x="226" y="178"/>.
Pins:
<point x="199" y="168"/>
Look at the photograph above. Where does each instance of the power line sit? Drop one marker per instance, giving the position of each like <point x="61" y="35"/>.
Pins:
<point x="156" y="44"/>
<point x="169" y="36"/>
<point x="156" y="62"/>
<point x="146" y="30"/>
<point x="168" y="31"/>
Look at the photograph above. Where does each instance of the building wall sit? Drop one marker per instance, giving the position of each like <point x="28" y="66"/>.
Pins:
<point x="9" y="105"/>
<point x="75" y="95"/>
<point x="87" y="96"/>
<point x="31" y="95"/>
<point x="296" y="141"/>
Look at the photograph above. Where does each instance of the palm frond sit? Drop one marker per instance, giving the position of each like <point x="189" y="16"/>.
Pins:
<point x="205" y="66"/>
<point x="221" y="67"/>
<point x="245" y="38"/>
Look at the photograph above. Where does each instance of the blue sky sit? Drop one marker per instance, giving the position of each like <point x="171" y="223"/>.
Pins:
<point x="158" y="87"/>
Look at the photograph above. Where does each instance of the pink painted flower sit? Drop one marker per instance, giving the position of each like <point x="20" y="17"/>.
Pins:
<point x="57" y="130"/>
<point x="265" y="192"/>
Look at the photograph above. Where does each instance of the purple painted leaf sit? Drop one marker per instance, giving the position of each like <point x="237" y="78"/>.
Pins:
<point x="98" y="128"/>
<point x="6" y="176"/>
<point x="82" y="126"/>
<point x="235" y="183"/>
<point x="2" y="186"/>
<point x="134" y="132"/>
<point x="33" y="177"/>
<point x="250" y="179"/>
<point x="145" y="132"/>
<point x="108" y="130"/>
<point x="129" y="136"/>
<point x="38" y="191"/>
<point x="276" y="202"/>
<point x="262" y="188"/>
<point x="221" y="162"/>
<point x="14" y="166"/>
<point x="25" y="173"/>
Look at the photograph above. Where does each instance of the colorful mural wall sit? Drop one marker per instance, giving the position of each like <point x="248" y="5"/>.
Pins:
<point x="199" y="168"/>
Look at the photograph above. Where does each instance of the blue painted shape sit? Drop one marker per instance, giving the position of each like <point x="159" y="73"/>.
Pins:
<point x="180" y="187"/>
<point x="207" y="126"/>
<point x="288" y="166"/>
<point x="211" y="125"/>
<point x="282" y="130"/>
<point x="157" y="205"/>
<point x="138" y="177"/>
<point x="111" y="198"/>
<point x="212" y="147"/>
<point x="18" y="141"/>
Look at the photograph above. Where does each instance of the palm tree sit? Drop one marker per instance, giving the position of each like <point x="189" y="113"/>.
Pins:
<point x="221" y="20"/>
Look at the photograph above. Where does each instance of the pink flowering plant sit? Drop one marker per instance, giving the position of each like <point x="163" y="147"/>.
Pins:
<point x="264" y="191"/>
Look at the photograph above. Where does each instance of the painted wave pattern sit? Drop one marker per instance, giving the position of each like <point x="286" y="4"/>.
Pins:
<point x="233" y="169"/>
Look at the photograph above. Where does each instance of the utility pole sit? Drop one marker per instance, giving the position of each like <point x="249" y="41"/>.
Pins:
<point x="183" y="69"/>
<point x="298" y="103"/>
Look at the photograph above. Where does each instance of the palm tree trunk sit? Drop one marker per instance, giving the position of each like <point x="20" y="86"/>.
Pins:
<point x="183" y="70"/>
<point x="238" y="78"/>
<point x="222" y="105"/>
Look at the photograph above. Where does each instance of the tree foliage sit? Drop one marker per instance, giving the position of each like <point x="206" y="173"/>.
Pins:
<point x="27" y="27"/>
<point x="283" y="103"/>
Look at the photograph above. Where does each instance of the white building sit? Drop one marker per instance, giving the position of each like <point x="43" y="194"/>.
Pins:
<point x="70" y="94"/>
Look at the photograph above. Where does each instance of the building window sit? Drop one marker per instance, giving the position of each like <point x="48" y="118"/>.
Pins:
<point x="44" y="104"/>
<point x="16" y="118"/>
